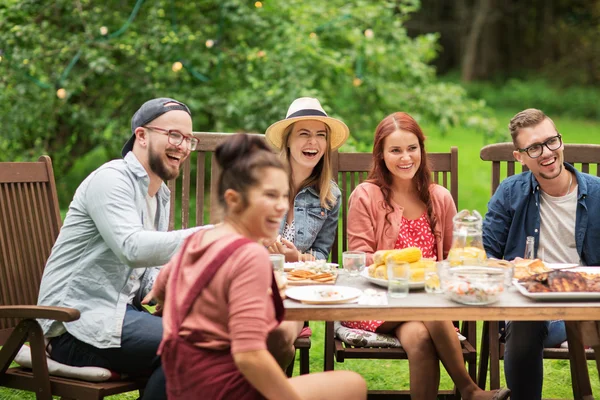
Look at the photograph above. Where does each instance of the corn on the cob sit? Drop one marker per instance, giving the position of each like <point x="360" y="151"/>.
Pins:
<point x="380" y="255"/>
<point x="381" y="272"/>
<point x="417" y="275"/>
<point x="409" y="254"/>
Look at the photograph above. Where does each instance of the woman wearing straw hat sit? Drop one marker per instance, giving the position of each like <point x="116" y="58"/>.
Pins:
<point x="305" y="140"/>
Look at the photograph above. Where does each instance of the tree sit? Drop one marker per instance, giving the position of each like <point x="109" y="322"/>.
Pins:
<point x="243" y="63"/>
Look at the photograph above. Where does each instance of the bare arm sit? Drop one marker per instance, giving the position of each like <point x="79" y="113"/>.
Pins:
<point x="263" y="372"/>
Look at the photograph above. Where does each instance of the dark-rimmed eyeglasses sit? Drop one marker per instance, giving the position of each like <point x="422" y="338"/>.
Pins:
<point x="536" y="150"/>
<point x="175" y="137"/>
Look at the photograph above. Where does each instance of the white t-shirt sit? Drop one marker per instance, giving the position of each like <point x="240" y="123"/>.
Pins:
<point x="557" y="228"/>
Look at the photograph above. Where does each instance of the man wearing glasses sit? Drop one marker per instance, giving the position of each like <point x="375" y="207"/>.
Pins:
<point x="560" y="207"/>
<point x="113" y="238"/>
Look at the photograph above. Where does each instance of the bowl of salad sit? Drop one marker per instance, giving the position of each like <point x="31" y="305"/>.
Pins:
<point x="474" y="285"/>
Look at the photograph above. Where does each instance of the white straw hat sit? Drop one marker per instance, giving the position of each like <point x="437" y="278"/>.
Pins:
<point x="302" y="109"/>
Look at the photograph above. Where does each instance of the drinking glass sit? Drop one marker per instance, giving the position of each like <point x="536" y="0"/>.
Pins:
<point x="432" y="278"/>
<point x="278" y="262"/>
<point x="354" y="262"/>
<point x="398" y="278"/>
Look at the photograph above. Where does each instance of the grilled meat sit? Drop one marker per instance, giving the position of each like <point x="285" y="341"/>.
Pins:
<point x="536" y="287"/>
<point x="566" y="281"/>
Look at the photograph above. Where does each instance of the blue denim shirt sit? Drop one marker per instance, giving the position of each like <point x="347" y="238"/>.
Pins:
<point x="103" y="248"/>
<point x="514" y="213"/>
<point x="315" y="225"/>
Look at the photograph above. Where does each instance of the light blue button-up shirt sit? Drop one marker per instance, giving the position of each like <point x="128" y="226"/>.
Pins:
<point x="101" y="250"/>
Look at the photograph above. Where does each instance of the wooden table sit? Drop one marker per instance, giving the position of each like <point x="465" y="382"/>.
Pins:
<point x="422" y="306"/>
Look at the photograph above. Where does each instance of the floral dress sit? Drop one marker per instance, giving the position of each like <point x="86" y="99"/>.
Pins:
<point x="413" y="233"/>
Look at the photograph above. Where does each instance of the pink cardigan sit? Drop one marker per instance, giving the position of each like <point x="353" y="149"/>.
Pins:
<point x="369" y="231"/>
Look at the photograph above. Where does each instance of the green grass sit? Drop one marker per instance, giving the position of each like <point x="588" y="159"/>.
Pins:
<point x="393" y="374"/>
<point x="474" y="192"/>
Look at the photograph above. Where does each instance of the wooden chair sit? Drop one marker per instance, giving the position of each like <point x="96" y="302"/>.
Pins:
<point x="29" y="225"/>
<point x="351" y="169"/>
<point x="504" y="165"/>
<point x="197" y="188"/>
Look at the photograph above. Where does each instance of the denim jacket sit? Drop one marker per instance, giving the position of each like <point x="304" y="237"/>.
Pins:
<point x="514" y="213"/>
<point x="315" y="225"/>
<point x="103" y="248"/>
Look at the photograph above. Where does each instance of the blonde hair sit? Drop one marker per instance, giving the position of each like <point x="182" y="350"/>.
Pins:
<point x="320" y="177"/>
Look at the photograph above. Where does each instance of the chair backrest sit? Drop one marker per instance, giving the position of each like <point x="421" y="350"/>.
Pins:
<point x="200" y="171"/>
<point x="585" y="157"/>
<point x="352" y="169"/>
<point x="29" y="225"/>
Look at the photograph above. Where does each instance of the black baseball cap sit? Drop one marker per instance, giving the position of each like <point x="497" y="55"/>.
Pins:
<point x="148" y="112"/>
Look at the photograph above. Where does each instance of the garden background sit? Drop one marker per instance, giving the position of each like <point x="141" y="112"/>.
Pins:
<point x="72" y="72"/>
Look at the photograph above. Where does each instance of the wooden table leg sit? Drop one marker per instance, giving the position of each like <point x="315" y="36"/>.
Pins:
<point x="578" y="363"/>
<point x="328" y="348"/>
<point x="494" y="355"/>
<point x="484" y="355"/>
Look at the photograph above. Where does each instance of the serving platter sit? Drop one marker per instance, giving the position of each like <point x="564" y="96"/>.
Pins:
<point x="384" y="283"/>
<point x="556" y="296"/>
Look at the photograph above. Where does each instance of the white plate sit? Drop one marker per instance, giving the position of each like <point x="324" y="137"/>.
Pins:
<point x="557" y="295"/>
<point x="289" y="266"/>
<point x="384" y="283"/>
<point x="323" y="294"/>
<point x="560" y="265"/>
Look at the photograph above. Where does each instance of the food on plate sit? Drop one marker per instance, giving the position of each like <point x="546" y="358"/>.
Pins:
<point x="381" y="272"/>
<point x="329" y="294"/>
<point x="411" y="255"/>
<point x="525" y="268"/>
<point x="561" y="281"/>
<point x="301" y="275"/>
<point x="314" y="266"/>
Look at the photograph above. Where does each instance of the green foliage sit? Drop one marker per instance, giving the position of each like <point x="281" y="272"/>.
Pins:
<point x="574" y="101"/>
<point x="262" y="58"/>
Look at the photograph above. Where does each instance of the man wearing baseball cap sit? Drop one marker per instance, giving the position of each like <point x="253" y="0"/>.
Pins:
<point x="113" y="238"/>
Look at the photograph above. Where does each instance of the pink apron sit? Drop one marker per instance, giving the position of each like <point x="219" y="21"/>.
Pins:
<point x="192" y="372"/>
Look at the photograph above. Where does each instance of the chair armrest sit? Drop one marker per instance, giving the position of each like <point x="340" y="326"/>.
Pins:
<point x="61" y="314"/>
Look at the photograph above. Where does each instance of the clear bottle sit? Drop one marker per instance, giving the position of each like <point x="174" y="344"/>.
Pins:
<point x="529" y="248"/>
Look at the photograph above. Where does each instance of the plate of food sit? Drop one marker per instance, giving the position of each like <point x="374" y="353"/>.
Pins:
<point x="328" y="294"/>
<point x="581" y="283"/>
<point x="384" y="283"/>
<point x="309" y="277"/>
<point x="315" y="266"/>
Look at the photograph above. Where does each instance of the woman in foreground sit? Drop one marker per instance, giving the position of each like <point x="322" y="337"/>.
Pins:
<point x="220" y="298"/>
<point x="398" y="207"/>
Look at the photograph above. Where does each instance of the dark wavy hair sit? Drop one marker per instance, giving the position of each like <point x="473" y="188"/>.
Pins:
<point x="242" y="158"/>
<point x="382" y="177"/>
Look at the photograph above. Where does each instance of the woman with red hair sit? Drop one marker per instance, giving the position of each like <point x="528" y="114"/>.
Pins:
<point x="398" y="206"/>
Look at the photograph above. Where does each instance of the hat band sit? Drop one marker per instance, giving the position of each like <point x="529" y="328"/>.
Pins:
<point x="307" y="113"/>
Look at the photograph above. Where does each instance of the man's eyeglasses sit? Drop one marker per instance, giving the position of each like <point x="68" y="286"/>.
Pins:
<point x="176" y="137"/>
<point x="536" y="150"/>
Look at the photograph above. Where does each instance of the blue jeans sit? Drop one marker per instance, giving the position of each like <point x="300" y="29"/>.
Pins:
<point x="523" y="355"/>
<point x="140" y="338"/>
